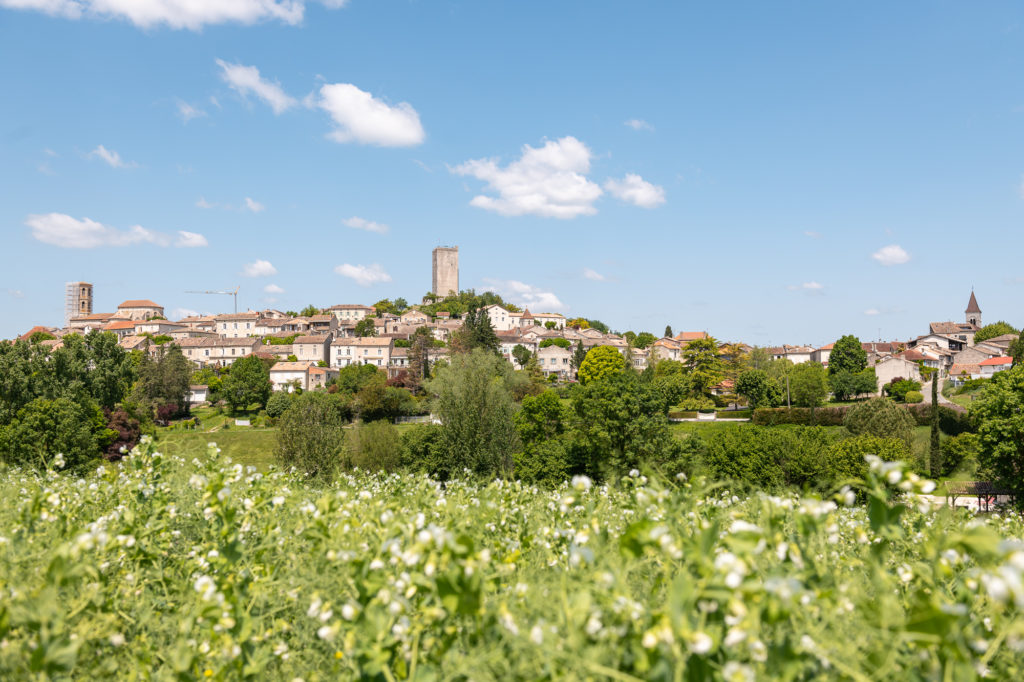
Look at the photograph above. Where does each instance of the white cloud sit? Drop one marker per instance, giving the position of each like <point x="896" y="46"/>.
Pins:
<point x="812" y="234"/>
<point x="813" y="287"/>
<point x="525" y="295"/>
<point x="871" y="311"/>
<point x="548" y="181"/>
<point x="177" y="14"/>
<point x="186" y="110"/>
<point x="361" y="117"/>
<point x="259" y="268"/>
<point x="891" y="255"/>
<point x="639" y="124"/>
<point x="273" y="289"/>
<point x="190" y="240"/>
<point x="179" y="313"/>
<point x="111" y="157"/>
<point x="62" y="230"/>
<point x="594" y="275"/>
<point x="16" y="293"/>
<point x="364" y="275"/>
<point x="252" y="205"/>
<point x="368" y="225"/>
<point x="203" y="203"/>
<point x="246" y="79"/>
<point x="636" y="190"/>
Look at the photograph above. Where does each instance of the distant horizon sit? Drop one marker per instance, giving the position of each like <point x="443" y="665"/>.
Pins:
<point x="780" y="174"/>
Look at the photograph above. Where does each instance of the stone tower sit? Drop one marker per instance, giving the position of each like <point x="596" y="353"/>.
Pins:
<point x="77" y="300"/>
<point x="973" y="311"/>
<point x="446" y="270"/>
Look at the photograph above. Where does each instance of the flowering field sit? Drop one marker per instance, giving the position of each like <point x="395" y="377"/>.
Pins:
<point x="169" y="569"/>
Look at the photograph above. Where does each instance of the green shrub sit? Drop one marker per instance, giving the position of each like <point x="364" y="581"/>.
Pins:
<point x="960" y="453"/>
<point x="278" y="403"/>
<point x="913" y="397"/>
<point x="883" y="418"/>
<point x="311" y="435"/>
<point x="695" y="404"/>
<point x="423" y="450"/>
<point x="376" y="446"/>
<point x="799" y="416"/>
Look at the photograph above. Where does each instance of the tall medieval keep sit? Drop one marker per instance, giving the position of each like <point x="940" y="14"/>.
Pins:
<point x="446" y="270"/>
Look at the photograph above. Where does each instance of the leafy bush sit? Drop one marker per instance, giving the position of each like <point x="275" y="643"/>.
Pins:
<point x="899" y="387"/>
<point x="883" y="418"/>
<point x="311" y="434"/>
<point x="376" y="446"/>
<point x="913" y="397"/>
<point x="695" y="404"/>
<point x="127" y="429"/>
<point x="278" y="402"/>
<point x="960" y="453"/>
<point x="799" y="416"/>
<point x="423" y="451"/>
<point x="558" y="341"/>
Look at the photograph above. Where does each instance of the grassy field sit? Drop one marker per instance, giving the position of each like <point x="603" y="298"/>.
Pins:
<point x="251" y="447"/>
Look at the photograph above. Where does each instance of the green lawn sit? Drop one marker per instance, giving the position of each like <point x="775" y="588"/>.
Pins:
<point x="246" y="446"/>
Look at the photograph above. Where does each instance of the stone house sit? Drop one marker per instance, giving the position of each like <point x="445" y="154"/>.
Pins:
<point x="992" y="365"/>
<point x="414" y="317"/>
<point x="361" y="351"/>
<point x="312" y="348"/>
<point x="543" y="318"/>
<point x="351" y="312"/>
<point x="555" y="360"/>
<point x="139" y="309"/>
<point x="237" y="325"/>
<point x="501" y="319"/>
<point x="894" y="366"/>
<point x="157" y="327"/>
<point x="286" y="376"/>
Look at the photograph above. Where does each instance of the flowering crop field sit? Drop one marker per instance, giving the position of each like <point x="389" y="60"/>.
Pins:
<point x="161" y="568"/>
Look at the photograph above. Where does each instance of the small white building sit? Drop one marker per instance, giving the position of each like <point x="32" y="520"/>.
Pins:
<point x="237" y="325"/>
<point x="351" y="312"/>
<point x="993" y="365"/>
<point x="894" y="367"/>
<point x="555" y="360"/>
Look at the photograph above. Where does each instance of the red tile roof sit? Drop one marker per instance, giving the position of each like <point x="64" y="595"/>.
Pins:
<point x="139" y="303"/>
<point x="996" y="362"/>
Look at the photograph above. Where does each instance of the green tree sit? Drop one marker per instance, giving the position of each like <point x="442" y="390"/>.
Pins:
<point x="668" y="332"/>
<point x="883" y="418"/>
<point x="935" y="449"/>
<point x="376" y="446"/>
<point x="846" y="385"/>
<point x="848" y="355"/>
<point x="1016" y="350"/>
<point x="311" y="435"/>
<point x="578" y="323"/>
<point x="701" y="356"/>
<point x="550" y="324"/>
<point x="377" y="401"/>
<point x="476" y="332"/>
<point x="991" y="331"/>
<point x="759" y="358"/>
<point x="309" y="311"/>
<point x="39" y="336"/>
<point x="809" y="384"/>
<point x="401" y="305"/>
<point x="474" y="402"/>
<point x="598" y="325"/>
<point x="758" y="388"/>
<point x="365" y="327"/>
<point x="419" y="354"/>
<point x="248" y="382"/>
<point x="278" y="402"/>
<point x="644" y="339"/>
<point x="164" y="379"/>
<point x="557" y="341"/>
<point x="45" y="428"/>
<point x="999" y="414"/>
<point x="383" y="306"/>
<point x="620" y="423"/>
<point x="521" y="354"/>
<point x="542" y="424"/>
<point x="600" y="362"/>
<point x="579" y="354"/>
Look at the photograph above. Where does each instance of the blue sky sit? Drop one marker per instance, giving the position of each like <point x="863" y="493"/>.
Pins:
<point x="782" y="172"/>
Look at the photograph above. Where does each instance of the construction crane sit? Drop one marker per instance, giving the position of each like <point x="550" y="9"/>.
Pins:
<point x="226" y="293"/>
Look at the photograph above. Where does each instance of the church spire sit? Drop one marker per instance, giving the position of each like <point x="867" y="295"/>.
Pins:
<point x="973" y="311"/>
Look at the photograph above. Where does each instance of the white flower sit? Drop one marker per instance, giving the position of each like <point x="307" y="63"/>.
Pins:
<point x="116" y="639"/>
<point x="277" y="501"/>
<point x="700" y="643"/>
<point x="650" y="640"/>
<point x="328" y="632"/>
<point x="737" y="672"/>
<point x="205" y="586"/>
<point x="348" y="612"/>
<point x="734" y="636"/>
<point x="58" y="461"/>
<point x="581" y="482"/>
<point x="537" y="635"/>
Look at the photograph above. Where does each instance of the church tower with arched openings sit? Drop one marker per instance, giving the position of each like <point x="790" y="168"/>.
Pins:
<point x="973" y="311"/>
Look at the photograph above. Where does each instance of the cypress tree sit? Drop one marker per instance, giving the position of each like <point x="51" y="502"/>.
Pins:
<point x="935" y="458"/>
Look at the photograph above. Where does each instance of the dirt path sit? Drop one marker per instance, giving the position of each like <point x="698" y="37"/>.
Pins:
<point x="926" y="389"/>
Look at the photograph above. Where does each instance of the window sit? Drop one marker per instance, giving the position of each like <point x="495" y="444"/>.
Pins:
<point x="236" y="325"/>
